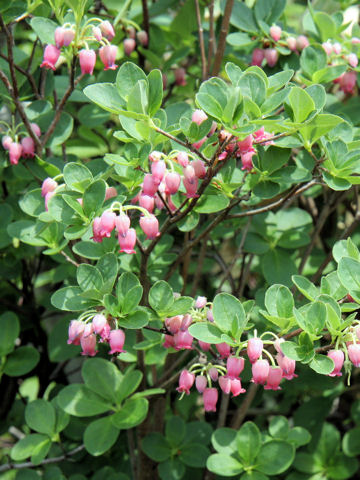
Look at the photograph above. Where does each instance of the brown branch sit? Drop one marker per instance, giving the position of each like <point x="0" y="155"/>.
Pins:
<point x="26" y="74"/>
<point x="224" y="404"/>
<point x="211" y="45"/>
<point x="146" y="19"/>
<point x="69" y="259"/>
<point x="222" y="37"/>
<point x="204" y="67"/>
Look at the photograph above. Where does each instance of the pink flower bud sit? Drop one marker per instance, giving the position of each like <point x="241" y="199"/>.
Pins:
<point x="214" y="374"/>
<point x="338" y="357"/>
<point x="96" y="227"/>
<point x="198" y="117"/>
<point x="275" y="33"/>
<point x="245" y="145"/>
<point x="116" y="341"/>
<point x="76" y="329"/>
<point x="128" y="241"/>
<point x="173" y="324"/>
<point x="36" y="129"/>
<point x="199" y="168"/>
<point x="302" y="42"/>
<point x="257" y="57"/>
<point x="200" y="302"/>
<point x="186" y="381"/>
<point x="182" y="159"/>
<point x="236" y="388"/>
<point x="149" y="185"/>
<point x="287" y="366"/>
<point x="96" y="31"/>
<point x="183" y="340"/>
<point x="131" y="32"/>
<point x="180" y="77"/>
<point x="254" y="349"/>
<point x="354" y="353"/>
<point x="59" y="36"/>
<point x="260" y="371"/>
<point x="87" y="60"/>
<point x="47" y="199"/>
<point x="51" y="56"/>
<point x="353" y="60"/>
<point x="129" y="46"/>
<point x="337" y="48"/>
<point x="158" y="170"/>
<point x="191" y="188"/>
<point x="122" y="224"/>
<point x="328" y="48"/>
<point x="169" y="342"/>
<point x="210" y="397"/>
<point x="107" y="225"/>
<point x="291" y="43"/>
<point x="110" y="193"/>
<point x="246" y="160"/>
<point x="234" y="366"/>
<point x="271" y="56"/>
<point x="225" y="384"/>
<point x="28" y="147"/>
<point x="143" y="38"/>
<point x="274" y="379"/>
<point x="147" y="202"/>
<point x="150" y="226"/>
<point x="172" y="181"/>
<point x="204" y="346"/>
<point x="107" y="30"/>
<point x="88" y="345"/>
<point x="223" y="349"/>
<point x="200" y="383"/>
<point x="6" y="142"/>
<point x="155" y="156"/>
<point x="107" y="55"/>
<point x="98" y="323"/>
<point x="15" y="151"/>
<point x="210" y="315"/>
<point x="186" y="322"/>
<point x="348" y="81"/>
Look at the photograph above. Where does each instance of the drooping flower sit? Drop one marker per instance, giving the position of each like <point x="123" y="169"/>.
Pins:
<point x="274" y="379"/>
<point x="76" y="329"/>
<point x="210" y="397"/>
<point x="200" y="383"/>
<point x="87" y="59"/>
<point x="275" y="32"/>
<point x="354" y="353"/>
<point x="260" y="371"/>
<point x="15" y="152"/>
<point x="186" y="381"/>
<point x="234" y="366"/>
<point x="127" y="242"/>
<point x="338" y="357"/>
<point x="254" y="348"/>
<point x="150" y="226"/>
<point x="51" y="56"/>
<point x="88" y="345"/>
<point x="28" y="147"/>
<point x="107" y="55"/>
<point x="116" y="341"/>
<point x="223" y="349"/>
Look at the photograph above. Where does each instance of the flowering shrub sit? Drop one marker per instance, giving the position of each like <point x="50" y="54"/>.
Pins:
<point x="179" y="241"/>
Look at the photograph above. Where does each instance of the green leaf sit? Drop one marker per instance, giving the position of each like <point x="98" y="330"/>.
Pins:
<point x="299" y="436"/>
<point x="275" y="457"/>
<point x="242" y="17"/>
<point x="156" y="447"/>
<point x="171" y="470"/>
<point x="21" y="361"/>
<point x="161" y="296"/>
<point x="210" y="203"/>
<point x="108" y="267"/>
<point x="138" y="99"/>
<point x="229" y="314"/>
<point x="224" y="440"/>
<point x="10" y="329"/>
<point x="69" y="298"/>
<point x="301" y="103"/>
<point x="349" y="275"/>
<point x="306" y="287"/>
<point x="180" y="306"/>
<point x="89" y="277"/>
<point x="32" y="203"/>
<point x="137" y="319"/>
<point x="210" y="105"/>
<point x="106" y="96"/>
<point x="30" y="445"/>
<point x="248" y="441"/>
<point x="80" y="401"/>
<point x="126" y="78"/>
<point x="130" y="382"/>
<point x="44" y="29"/>
<point x="272" y="159"/>
<point x="224" y="465"/>
<point x="100" y="435"/>
<point x="131" y="299"/>
<point x="269" y="10"/>
<point x="94" y="197"/>
<point x="40" y="416"/>
<point x="312" y="59"/>
<point x="279" y="427"/>
<point x="278" y="266"/>
<point x="194" y="455"/>
<point x="351" y="442"/>
<point x="102" y="377"/>
<point x="322" y="364"/>
<point x="175" y="431"/>
<point x="253" y="86"/>
<point x="206" y="332"/>
<point x="279" y="301"/>
<point x="319" y="126"/>
<point x="155" y="91"/>
<point x="77" y="177"/>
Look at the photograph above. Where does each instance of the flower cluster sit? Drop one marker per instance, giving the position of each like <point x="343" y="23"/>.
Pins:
<point x="17" y="148"/>
<point x="350" y="352"/>
<point x="94" y="30"/>
<point x="86" y="332"/>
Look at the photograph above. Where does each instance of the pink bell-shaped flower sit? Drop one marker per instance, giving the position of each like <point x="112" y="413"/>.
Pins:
<point x="183" y="340"/>
<point x="108" y="219"/>
<point x="214" y="374"/>
<point x="210" y="397"/>
<point x="225" y="384"/>
<point x="234" y="366"/>
<point x="198" y="117"/>
<point x="291" y="43"/>
<point x="271" y="56"/>
<point x="354" y="353"/>
<point x="199" y="168"/>
<point x="110" y="192"/>
<point x="107" y="55"/>
<point x="182" y="159"/>
<point x="122" y="224"/>
<point x="172" y="181"/>
<point x="155" y="156"/>
<point x="236" y="388"/>
<point x="107" y="30"/>
<point x="348" y="81"/>
<point x="302" y="42"/>
<point x="245" y="145"/>
<point x="158" y="170"/>
<point x="105" y="333"/>
<point x="205" y="347"/>
<point x="223" y="349"/>
<point x="246" y="160"/>
<point x="186" y="322"/>
<point x="275" y="32"/>
<point x="337" y="48"/>
<point x="173" y="324"/>
<point x="128" y="241"/>
<point x="169" y="342"/>
<point x="191" y="187"/>
<point x="88" y="345"/>
<point x="129" y="46"/>
<point x="15" y="151"/>
<point x="147" y="202"/>
<point x="98" y="322"/>
<point x="51" y="56"/>
<point x="96" y="228"/>
<point x="287" y="365"/>
<point x="28" y="147"/>
<point x="200" y="302"/>
<point x="274" y="379"/>
<point x="69" y="35"/>
<point x="6" y="142"/>
<point x="186" y="381"/>
<point x="59" y="37"/>
<point x="200" y="383"/>
<point x="150" y="226"/>
<point x="143" y="38"/>
<point x="257" y="57"/>
<point x="76" y="329"/>
<point x="36" y="129"/>
<point x="116" y="341"/>
<point x="47" y="186"/>
<point x="254" y="349"/>
<point x="327" y="47"/>
<point x="96" y="31"/>
<point x="150" y="185"/>
<point x="87" y="59"/>
<point x="338" y="357"/>
<point x="260" y="371"/>
<point x="48" y="196"/>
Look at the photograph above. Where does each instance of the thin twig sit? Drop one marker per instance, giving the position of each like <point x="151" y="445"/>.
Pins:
<point x="199" y="267"/>
<point x="222" y="37"/>
<point x="211" y="45"/>
<point x="223" y="410"/>
<point x="26" y="74"/>
<point x="241" y="412"/>
<point x="70" y="259"/>
<point x="146" y="19"/>
<point x="204" y="68"/>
